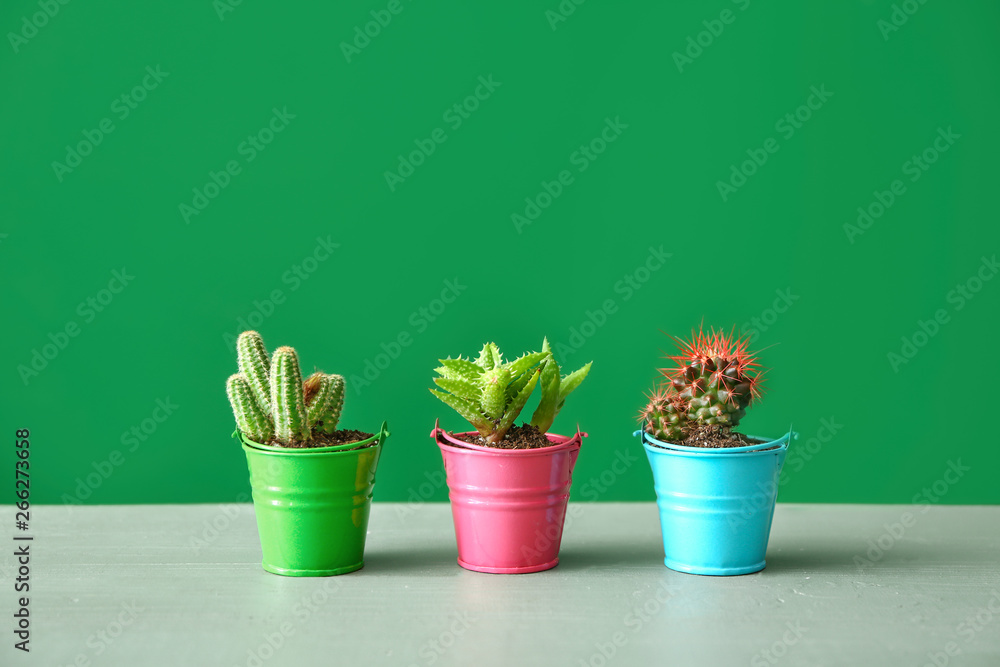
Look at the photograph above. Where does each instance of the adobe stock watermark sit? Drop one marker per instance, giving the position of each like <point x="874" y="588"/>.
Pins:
<point x="419" y="321"/>
<point x="980" y="618"/>
<point x="625" y="289"/>
<point x="787" y="126"/>
<point x="98" y="643"/>
<point x="924" y="499"/>
<point x="131" y="440"/>
<point x="957" y="298"/>
<point x="696" y="44"/>
<point x="898" y="17"/>
<point x="272" y="641"/>
<point x="418" y="496"/>
<point x="581" y="159"/>
<point x="455" y="117"/>
<point x="435" y="648"/>
<point x="755" y="326"/>
<point x="87" y="310"/>
<point x="215" y="527"/>
<point x="762" y="500"/>
<point x="977" y="621"/>
<point x="562" y="12"/>
<point x="32" y="23"/>
<point x="121" y="108"/>
<point x="592" y="490"/>
<point x="364" y="34"/>
<point x="779" y="649"/>
<point x="223" y="7"/>
<point x="248" y="150"/>
<point x="293" y="277"/>
<point x="801" y="454"/>
<point x="914" y="168"/>
<point x="638" y="617"/>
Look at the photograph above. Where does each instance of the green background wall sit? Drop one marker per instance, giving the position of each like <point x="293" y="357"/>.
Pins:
<point x="887" y="94"/>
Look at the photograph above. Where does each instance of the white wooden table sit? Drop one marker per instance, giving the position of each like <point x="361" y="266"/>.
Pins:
<point x="182" y="585"/>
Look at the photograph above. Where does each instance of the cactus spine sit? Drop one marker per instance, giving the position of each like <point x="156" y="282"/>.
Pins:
<point x="270" y="400"/>
<point x="250" y="417"/>
<point x="291" y="423"/>
<point x="251" y="356"/>
<point x="324" y="400"/>
<point x="713" y="382"/>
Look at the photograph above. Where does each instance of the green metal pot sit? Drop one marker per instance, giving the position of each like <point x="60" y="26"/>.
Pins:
<point x="312" y="505"/>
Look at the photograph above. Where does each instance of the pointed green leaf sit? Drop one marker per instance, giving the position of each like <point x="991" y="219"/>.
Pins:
<point x="486" y="356"/>
<point x="461" y="388"/>
<point x="465" y="409"/>
<point x="493" y="386"/>
<point x="525" y="362"/>
<point x="548" y="406"/>
<point x="572" y="381"/>
<point x="459" y="369"/>
<point x="517" y="404"/>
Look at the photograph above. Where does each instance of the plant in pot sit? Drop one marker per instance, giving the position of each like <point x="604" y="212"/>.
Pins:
<point x="715" y="488"/>
<point x="508" y="484"/>
<point x="312" y="483"/>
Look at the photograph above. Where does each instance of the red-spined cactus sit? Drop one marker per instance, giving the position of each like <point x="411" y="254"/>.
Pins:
<point x="713" y="382"/>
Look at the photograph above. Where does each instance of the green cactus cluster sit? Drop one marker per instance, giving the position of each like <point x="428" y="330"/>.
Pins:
<point x="272" y="402"/>
<point x="714" y="380"/>
<point x="490" y="393"/>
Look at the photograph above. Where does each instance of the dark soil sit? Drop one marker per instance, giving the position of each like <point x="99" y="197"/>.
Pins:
<point x="323" y="440"/>
<point x="710" y="436"/>
<point x="525" y="436"/>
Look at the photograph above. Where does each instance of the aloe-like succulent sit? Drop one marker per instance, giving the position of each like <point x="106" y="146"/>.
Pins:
<point x="491" y="393"/>
<point x="555" y="389"/>
<point x="714" y="380"/>
<point x="272" y="402"/>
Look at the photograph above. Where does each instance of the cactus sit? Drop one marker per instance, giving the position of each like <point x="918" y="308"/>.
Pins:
<point x="555" y="389"/>
<point x="288" y="397"/>
<point x="665" y="416"/>
<point x="254" y="364"/>
<point x="270" y="400"/>
<point x="251" y="419"/>
<point x="324" y="400"/>
<point x="714" y="380"/>
<point x="488" y="392"/>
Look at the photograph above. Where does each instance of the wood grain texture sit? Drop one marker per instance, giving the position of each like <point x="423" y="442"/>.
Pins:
<point x="200" y="597"/>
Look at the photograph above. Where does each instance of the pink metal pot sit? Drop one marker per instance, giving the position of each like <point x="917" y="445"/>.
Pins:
<point x="508" y="504"/>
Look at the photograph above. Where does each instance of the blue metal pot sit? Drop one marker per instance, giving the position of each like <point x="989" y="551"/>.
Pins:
<point x="716" y="505"/>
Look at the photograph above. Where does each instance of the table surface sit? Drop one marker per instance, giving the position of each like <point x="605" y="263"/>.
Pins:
<point x="182" y="585"/>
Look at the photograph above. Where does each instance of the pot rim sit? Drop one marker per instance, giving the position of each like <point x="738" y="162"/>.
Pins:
<point x="768" y="446"/>
<point x="565" y="442"/>
<point x="374" y="441"/>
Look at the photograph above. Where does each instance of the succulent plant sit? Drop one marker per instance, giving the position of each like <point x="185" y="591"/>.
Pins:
<point x="713" y="382"/>
<point x="252" y="420"/>
<point x="555" y="389"/>
<point x="272" y="402"/>
<point x="488" y="392"/>
<point x="324" y="400"/>
<point x="491" y="393"/>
